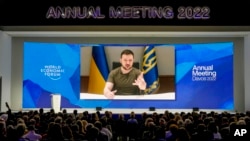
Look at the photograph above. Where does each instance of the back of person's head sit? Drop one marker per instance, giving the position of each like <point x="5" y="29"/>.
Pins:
<point x="20" y="120"/>
<point x="58" y="119"/>
<point x="232" y="126"/>
<point x="183" y="134"/>
<point x="132" y="114"/>
<point x="149" y="119"/>
<point x="98" y="124"/>
<point x="107" y="114"/>
<point x="41" y="111"/>
<point x="10" y="122"/>
<point x="162" y="121"/>
<point x="80" y="125"/>
<point x="52" y="111"/>
<point x="180" y="123"/>
<point x="98" y="113"/>
<point x="56" y="130"/>
<point x="84" y="123"/>
<point x="173" y="128"/>
<point x="75" y="112"/>
<point x="32" y="121"/>
<point x="31" y="128"/>
<point x="75" y="128"/>
<point x="144" y="115"/>
<point x="104" y="121"/>
<point x="121" y="116"/>
<point x="232" y="119"/>
<point x="94" y="116"/>
<point x="151" y="126"/>
<point x="212" y="127"/>
<point x="224" y="119"/>
<point x="51" y="119"/>
<point x="89" y="126"/>
<point x="247" y="119"/>
<point x="20" y="129"/>
<point x="67" y="132"/>
<point x="201" y="128"/>
<point x="241" y="122"/>
<point x="187" y="121"/>
<point x="11" y="133"/>
<point x="69" y="121"/>
<point x="93" y="132"/>
<point x="35" y="112"/>
<point x="170" y="122"/>
<point x="206" y="121"/>
<point x="86" y="113"/>
<point x="37" y="119"/>
<point x="171" y="115"/>
<point x="4" y="117"/>
<point x="224" y="132"/>
<point x="64" y="111"/>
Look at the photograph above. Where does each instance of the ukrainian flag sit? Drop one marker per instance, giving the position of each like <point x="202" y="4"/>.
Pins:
<point x="98" y="73"/>
<point x="149" y="67"/>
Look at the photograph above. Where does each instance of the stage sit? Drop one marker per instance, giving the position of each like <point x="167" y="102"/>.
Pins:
<point x="56" y="105"/>
<point x="137" y="111"/>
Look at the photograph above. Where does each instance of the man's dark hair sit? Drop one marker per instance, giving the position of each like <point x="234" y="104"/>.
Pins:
<point x="127" y="52"/>
<point x="98" y="124"/>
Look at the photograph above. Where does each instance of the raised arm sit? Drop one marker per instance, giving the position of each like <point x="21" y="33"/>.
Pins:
<point x="140" y="82"/>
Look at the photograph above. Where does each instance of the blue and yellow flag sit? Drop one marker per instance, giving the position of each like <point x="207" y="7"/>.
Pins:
<point x="99" y="70"/>
<point x="149" y="67"/>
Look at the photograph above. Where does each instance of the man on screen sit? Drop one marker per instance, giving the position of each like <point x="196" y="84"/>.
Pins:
<point x="125" y="80"/>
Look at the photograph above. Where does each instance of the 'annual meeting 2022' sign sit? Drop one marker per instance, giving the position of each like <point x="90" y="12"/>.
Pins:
<point x="128" y="12"/>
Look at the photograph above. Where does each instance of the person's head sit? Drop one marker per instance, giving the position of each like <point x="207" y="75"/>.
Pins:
<point x="127" y="59"/>
<point x="31" y="128"/>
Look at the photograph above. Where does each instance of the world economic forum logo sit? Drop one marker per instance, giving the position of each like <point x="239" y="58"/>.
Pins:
<point x="204" y="73"/>
<point x="54" y="72"/>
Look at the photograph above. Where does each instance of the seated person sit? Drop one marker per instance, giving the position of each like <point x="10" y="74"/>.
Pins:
<point x="125" y="80"/>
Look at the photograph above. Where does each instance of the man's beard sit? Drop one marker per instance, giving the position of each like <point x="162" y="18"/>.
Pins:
<point x="127" y="68"/>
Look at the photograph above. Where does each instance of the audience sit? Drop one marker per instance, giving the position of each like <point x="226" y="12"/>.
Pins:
<point x="85" y="126"/>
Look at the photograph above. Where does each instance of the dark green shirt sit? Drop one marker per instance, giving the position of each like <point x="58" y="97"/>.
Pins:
<point x="123" y="83"/>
